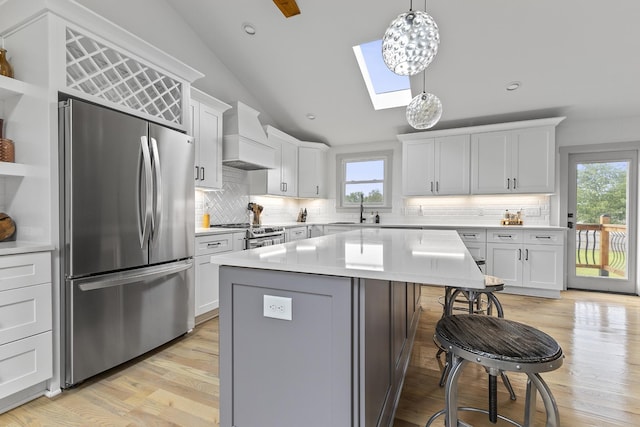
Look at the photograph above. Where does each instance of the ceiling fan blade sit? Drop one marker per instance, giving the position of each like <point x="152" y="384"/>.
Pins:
<point x="288" y="8"/>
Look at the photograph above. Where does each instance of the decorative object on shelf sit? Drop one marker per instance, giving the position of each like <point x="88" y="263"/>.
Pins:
<point x="512" y="219"/>
<point x="5" y="68"/>
<point x="7" y="151"/>
<point x="257" y="210"/>
<point x="410" y="43"/>
<point x="424" y="110"/>
<point x="206" y="220"/>
<point x="7" y="227"/>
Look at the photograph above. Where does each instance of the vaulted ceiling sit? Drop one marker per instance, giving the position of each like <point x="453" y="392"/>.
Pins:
<point x="579" y="58"/>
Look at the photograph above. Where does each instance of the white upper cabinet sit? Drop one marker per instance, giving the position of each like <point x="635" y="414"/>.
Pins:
<point x="504" y="158"/>
<point x="513" y="161"/>
<point x="282" y="180"/>
<point x="206" y="128"/>
<point x="435" y="166"/>
<point x="312" y="159"/>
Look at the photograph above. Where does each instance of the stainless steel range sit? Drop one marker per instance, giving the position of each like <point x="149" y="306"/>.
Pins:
<point x="257" y="237"/>
<point x="264" y="236"/>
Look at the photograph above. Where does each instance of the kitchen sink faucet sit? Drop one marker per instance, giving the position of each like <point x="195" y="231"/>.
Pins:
<point x="362" y="218"/>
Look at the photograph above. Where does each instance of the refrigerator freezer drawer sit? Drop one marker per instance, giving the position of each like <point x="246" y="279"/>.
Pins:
<point x="111" y="320"/>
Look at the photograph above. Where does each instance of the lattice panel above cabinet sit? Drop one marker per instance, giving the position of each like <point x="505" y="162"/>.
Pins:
<point x="101" y="71"/>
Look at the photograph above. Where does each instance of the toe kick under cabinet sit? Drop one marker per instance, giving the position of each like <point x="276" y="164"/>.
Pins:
<point x="25" y="327"/>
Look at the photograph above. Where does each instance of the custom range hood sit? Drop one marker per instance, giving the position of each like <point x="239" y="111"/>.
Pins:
<point x="245" y="141"/>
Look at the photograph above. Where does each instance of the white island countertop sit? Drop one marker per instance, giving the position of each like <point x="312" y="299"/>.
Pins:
<point x="436" y="257"/>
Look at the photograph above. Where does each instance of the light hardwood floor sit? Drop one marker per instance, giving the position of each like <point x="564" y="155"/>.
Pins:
<point x="598" y="385"/>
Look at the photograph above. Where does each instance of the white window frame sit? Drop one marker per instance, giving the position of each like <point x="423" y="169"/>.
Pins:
<point x="341" y="169"/>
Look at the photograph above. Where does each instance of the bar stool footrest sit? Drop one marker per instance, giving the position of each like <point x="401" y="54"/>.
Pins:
<point x="471" y="409"/>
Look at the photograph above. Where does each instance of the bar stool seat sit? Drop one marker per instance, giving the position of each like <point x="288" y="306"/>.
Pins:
<point x="498" y="345"/>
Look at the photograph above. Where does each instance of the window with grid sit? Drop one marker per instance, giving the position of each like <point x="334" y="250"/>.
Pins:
<point x="366" y="177"/>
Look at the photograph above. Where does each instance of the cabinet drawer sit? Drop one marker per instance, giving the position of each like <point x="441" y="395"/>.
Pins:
<point x="296" y="233"/>
<point x="21" y="270"/>
<point x="473" y="235"/>
<point x="207" y="245"/>
<point x="24" y="312"/>
<point x="544" y="237"/>
<point x="25" y="362"/>
<point x="505" y="236"/>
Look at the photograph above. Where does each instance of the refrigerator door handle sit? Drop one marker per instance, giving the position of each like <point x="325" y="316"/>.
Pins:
<point x="146" y="158"/>
<point x="117" y="279"/>
<point x="157" y="195"/>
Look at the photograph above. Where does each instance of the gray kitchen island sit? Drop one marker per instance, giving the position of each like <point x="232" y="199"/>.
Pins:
<point x="319" y="332"/>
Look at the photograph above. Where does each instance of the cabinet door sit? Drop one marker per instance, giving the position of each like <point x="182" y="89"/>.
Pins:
<point x="504" y="260"/>
<point x="533" y="158"/>
<point x="491" y="163"/>
<point x="274" y="176"/>
<point x="25" y="362"/>
<point x="311" y="162"/>
<point x="451" y="165"/>
<point x="289" y="169"/>
<point x="417" y="168"/>
<point x="206" y="285"/>
<point x="194" y="131"/>
<point x="479" y="252"/>
<point x="209" y="148"/>
<point x="543" y="267"/>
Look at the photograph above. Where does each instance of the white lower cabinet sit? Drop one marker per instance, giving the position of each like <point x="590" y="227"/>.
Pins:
<point x="476" y="242"/>
<point x="26" y="353"/>
<point x="295" y="233"/>
<point x="25" y="362"/>
<point x="315" y="230"/>
<point x="206" y="274"/>
<point x="527" y="259"/>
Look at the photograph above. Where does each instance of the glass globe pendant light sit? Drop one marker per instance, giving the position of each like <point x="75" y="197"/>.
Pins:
<point x="424" y="110"/>
<point x="410" y="43"/>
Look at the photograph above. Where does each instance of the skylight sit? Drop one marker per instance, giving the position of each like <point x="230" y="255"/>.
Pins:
<point x="386" y="89"/>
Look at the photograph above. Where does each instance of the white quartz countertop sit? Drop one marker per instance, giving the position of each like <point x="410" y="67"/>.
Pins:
<point x="436" y="257"/>
<point x="12" y="248"/>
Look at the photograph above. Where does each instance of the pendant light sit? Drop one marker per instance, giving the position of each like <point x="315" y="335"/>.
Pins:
<point x="424" y="110"/>
<point x="410" y="43"/>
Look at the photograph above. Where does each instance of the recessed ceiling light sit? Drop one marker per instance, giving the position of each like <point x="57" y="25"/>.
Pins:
<point x="249" y="28"/>
<point x="311" y="116"/>
<point x="513" y="86"/>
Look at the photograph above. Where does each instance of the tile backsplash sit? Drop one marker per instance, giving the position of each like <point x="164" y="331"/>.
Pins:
<point x="229" y="205"/>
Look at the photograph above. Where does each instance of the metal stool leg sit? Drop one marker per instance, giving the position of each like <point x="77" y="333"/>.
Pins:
<point x="508" y="386"/>
<point x="451" y="391"/>
<point x="550" y="406"/>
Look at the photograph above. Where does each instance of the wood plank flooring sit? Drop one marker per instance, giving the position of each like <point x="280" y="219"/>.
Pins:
<point x="177" y="385"/>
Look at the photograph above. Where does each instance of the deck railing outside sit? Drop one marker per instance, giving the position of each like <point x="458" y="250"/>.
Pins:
<point x="602" y="246"/>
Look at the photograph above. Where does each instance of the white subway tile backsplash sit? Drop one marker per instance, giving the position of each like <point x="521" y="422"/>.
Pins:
<point x="229" y="205"/>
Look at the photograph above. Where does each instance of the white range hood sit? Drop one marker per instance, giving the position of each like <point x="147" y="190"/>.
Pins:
<point x="245" y="141"/>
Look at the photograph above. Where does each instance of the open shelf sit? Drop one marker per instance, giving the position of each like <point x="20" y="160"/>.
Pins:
<point x="13" y="169"/>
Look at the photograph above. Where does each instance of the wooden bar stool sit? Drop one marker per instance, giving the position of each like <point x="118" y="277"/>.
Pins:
<point x="498" y="345"/>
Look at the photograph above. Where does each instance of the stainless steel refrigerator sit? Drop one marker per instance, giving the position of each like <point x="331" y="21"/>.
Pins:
<point x="127" y="232"/>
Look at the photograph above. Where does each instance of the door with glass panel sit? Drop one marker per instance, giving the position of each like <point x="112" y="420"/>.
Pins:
<point x="602" y="221"/>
